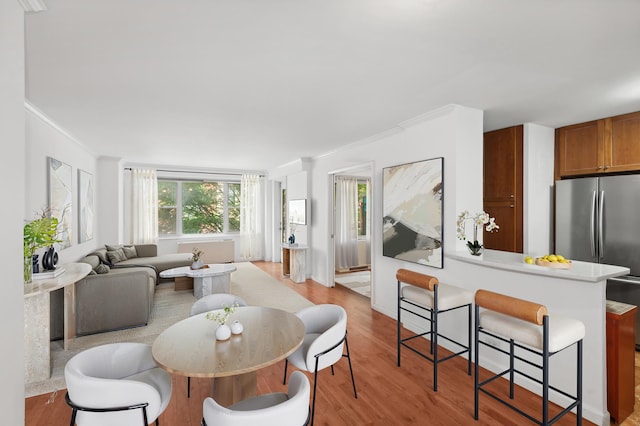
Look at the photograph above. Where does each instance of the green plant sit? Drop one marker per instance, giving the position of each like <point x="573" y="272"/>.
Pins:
<point x="196" y="253"/>
<point x="39" y="233"/>
<point x="222" y="315"/>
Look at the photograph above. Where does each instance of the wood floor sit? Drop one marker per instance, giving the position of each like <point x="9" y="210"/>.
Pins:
<point x="387" y="394"/>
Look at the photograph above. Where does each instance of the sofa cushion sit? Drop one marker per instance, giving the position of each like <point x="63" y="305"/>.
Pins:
<point x="91" y="259"/>
<point x="162" y="262"/>
<point x="116" y="256"/>
<point x="102" y="255"/>
<point x="102" y="269"/>
<point x="130" y="252"/>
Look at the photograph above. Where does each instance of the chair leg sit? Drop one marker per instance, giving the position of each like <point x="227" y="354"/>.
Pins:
<point x="74" y="412"/>
<point x="353" y="382"/>
<point x="434" y="347"/>
<point x="315" y="385"/>
<point x="188" y="387"/>
<point x="286" y="364"/>
<point x="511" y="367"/>
<point x="399" y="323"/>
<point x="144" y="416"/>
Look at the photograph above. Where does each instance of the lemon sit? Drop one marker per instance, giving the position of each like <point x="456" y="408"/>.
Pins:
<point x="552" y="258"/>
<point x="528" y="259"/>
<point x="560" y="258"/>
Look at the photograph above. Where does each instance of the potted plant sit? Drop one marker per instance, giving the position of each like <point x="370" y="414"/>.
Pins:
<point x="480" y="220"/>
<point x="38" y="233"/>
<point x="195" y="258"/>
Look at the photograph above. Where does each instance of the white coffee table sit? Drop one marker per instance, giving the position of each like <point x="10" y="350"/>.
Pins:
<point x="214" y="278"/>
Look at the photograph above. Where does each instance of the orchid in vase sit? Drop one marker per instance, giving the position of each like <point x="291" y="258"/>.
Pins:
<point x="480" y="220"/>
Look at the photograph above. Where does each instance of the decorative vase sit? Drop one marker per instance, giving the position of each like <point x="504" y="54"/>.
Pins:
<point x="36" y="267"/>
<point x="50" y="259"/>
<point x="475" y="248"/>
<point x="237" y="327"/>
<point x="223" y="332"/>
<point x="28" y="269"/>
<point x="197" y="264"/>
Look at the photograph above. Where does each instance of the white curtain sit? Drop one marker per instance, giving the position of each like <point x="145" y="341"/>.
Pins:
<point x="251" y="217"/>
<point x="144" y="202"/>
<point x="346" y="222"/>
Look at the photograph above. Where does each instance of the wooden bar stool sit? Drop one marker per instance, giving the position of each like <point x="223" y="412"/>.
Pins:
<point x="528" y="327"/>
<point x="426" y="298"/>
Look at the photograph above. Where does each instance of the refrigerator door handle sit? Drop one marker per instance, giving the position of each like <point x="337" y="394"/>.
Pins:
<point x="592" y="229"/>
<point x="600" y="227"/>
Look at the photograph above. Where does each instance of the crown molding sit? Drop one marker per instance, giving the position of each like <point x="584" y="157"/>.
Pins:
<point x="33" y="5"/>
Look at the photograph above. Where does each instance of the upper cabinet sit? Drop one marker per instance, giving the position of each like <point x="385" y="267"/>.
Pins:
<point x="602" y="146"/>
<point x="502" y="187"/>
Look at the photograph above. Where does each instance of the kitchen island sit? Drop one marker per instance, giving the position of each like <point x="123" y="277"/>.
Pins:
<point x="578" y="292"/>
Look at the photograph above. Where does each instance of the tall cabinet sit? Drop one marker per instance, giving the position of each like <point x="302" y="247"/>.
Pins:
<point x="503" y="188"/>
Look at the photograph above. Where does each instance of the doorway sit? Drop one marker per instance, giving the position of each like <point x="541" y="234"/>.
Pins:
<point x="351" y="228"/>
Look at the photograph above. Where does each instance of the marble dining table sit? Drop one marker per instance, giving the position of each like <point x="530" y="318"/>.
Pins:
<point x="189" y="348"/>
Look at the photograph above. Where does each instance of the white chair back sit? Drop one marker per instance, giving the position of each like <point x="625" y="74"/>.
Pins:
<point x="293" y="410"/>
<point x="328" y="325"/>
<point x="215" y="301"/>
<point x="113" y="375"/>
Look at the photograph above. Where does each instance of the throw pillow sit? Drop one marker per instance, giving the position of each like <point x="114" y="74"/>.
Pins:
<point x="92" y="272"/>
<point x="112" y="248"/>
<point x="116" y="256"/>
<point x="102" y="255"/>
<point x="130" y="251"/>
<point x="102" y="269"/>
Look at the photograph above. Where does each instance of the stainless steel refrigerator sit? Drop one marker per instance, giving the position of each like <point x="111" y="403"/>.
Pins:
<point x="598" y="220"/>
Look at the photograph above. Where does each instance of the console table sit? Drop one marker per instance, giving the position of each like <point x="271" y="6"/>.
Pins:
<point x="37" y="317"/>
<point x="294" y="262"/>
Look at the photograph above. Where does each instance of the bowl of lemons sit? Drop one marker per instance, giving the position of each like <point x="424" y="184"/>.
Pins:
<point x="549" y="261"/>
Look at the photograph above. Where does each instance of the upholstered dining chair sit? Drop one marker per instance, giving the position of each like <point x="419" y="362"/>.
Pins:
<point x="324" y="344"/>
<point x="215" y="301"/>
<point x="116" y="384"/>
<point x="212" y="302"/>
<point x="274" y="409"/>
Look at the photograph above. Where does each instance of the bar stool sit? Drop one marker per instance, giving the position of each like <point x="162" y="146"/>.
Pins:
<point x="527" y="326"/>
<point x="426" y="298"/>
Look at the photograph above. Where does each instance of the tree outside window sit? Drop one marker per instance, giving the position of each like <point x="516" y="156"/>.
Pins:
<point x="362" y="209"/>
<point x="187" y="208"/>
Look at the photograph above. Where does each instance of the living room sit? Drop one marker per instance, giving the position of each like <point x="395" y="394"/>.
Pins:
<point x="448" y="130"/>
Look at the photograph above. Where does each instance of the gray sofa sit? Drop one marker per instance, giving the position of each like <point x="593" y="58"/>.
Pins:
<point x="118" y="293"/>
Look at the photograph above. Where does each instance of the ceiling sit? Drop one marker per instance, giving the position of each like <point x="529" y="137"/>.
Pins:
<point x="253" y="84"/>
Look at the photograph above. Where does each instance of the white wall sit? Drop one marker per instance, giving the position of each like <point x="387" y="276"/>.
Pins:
<point x="12" y="174"/>
<point x="46" y="139"/>
<point x="452" y="132"/>
<point x="538" y="153"/>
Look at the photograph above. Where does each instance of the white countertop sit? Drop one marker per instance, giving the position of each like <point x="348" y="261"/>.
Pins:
<point x="73" y="272"/>
<point x="579" y="271"/>
<point x="294" y="246"/>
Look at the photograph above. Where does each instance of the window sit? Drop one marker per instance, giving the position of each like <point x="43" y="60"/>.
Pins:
<point x="188" y="208"/>
<point x="362" y="209"/>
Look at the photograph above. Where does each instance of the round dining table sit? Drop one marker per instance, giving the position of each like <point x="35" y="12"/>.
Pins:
<point x="189" y="348"/>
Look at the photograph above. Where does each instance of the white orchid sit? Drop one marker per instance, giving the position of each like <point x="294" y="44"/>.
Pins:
<point x="480" y="220"/>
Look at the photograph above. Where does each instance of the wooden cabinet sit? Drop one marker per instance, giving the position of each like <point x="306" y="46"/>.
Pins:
<point x="596" y="147"/>
<point x="621" y="334"/>
<point x="502" y="187"/>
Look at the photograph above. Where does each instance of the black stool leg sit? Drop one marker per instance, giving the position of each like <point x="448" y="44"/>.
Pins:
<point x="399" y="322"/>
<point x="476" y="359"/>
<point x="286" y="364"/>
<point x="74" y="412"/>
<point x="511" y="367"/>
<point x="469" y="343"/>
<point x="579" y="385"/>
<point x="353" y="381"/>
<point x="545" y="372"/>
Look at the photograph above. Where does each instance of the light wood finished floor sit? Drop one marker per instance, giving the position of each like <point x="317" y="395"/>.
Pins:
<point x="387" y="394"/>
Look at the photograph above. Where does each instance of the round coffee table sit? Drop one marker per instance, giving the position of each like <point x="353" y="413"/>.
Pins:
<point x="213" y="278"/>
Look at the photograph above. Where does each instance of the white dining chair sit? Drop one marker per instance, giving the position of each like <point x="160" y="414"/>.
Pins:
<point x="116" y="384"/>
<point x="212" y="302"/>
<point x="274" y="409"/>
<point x="324" y="344"/>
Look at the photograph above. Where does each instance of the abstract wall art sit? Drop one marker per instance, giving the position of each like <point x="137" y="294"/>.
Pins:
<point x="85" y="206"/>
<point x="412" y="204"/>
<point x="61" y="199"/>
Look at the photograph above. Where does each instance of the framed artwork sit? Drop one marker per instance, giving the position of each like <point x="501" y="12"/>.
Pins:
<point x="85" y="206"/>
<point x="61" y="199"/>
<point x="298" y="212"/>
<point x="412" y="209"/>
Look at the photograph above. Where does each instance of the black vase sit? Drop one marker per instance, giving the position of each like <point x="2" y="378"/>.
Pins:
<point x="36" y="267"/>
<point x="50" y="259"/>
